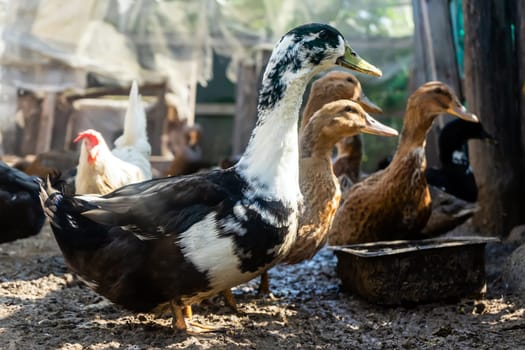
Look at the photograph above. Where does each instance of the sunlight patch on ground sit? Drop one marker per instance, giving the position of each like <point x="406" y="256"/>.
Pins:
<point x="32" y="289"/>
<point x="513" y="316"/>
<point x="7" y="311"/>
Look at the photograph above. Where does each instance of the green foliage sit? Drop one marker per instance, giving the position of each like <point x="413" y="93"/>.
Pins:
<point x="391" y="95"/>
<point x="379" y="30"/>
<point x="356" y="17"/>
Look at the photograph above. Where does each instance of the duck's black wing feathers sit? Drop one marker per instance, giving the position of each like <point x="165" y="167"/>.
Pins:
<point x="164" y="207"/>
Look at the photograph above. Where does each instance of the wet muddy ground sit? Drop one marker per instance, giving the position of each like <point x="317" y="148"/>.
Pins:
<point x="42" y="306"/>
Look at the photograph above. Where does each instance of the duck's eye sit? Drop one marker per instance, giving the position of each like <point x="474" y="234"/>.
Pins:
<point x="353" y="53"/>
<point x="323" y="34"/>
<point x="350" y="80"/>
<point x="440" y="91"/>
<point x="349" y="109"/>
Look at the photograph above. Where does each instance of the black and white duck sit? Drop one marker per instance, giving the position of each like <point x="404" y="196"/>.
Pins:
<point x="183" y="239"/>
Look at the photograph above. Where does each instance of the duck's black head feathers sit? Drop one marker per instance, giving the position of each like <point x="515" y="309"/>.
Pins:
<point x="305" y="46"/>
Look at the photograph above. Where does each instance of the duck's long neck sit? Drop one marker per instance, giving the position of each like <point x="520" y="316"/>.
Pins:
<point x="315" y="166"/>
<point x="414" y="133"/>
<point x="315" y="144"/>
<point x="270" y="162"/>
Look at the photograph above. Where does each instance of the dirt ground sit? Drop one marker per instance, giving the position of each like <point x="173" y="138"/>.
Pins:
<point x="42" y="306"/>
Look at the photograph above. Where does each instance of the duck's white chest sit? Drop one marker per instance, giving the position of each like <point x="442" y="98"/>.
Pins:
<point x="212" y="246"/>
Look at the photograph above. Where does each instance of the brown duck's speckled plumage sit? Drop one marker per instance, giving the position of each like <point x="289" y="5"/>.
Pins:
<point x="448" y="212"/>
<point x="331" y="87"/>
<point x="395" y="203"/>
<point x="318" y="183"/>
<point x="319" y="186"/>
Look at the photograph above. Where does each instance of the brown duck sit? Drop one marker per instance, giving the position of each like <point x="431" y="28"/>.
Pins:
<point x="395" y="203"/>
<point x="331" y="87"/>
<point x="318" y="184"/>
<point x="338" y="85"/>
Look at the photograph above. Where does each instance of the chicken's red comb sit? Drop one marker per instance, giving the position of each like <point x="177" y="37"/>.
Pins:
<point x="90" y="134"/>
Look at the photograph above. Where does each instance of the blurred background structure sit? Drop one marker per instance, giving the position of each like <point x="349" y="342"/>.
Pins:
<point x="68" y="65"/>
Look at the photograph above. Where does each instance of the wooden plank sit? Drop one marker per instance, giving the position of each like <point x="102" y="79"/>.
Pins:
<point x="94" y="92"/>
<point x="47" y="120"/>
<point x="437" y="53"/>
<point x="249" y="75"/>
<point x="29" y="109"/>
<point x="63" y="111"/>
<point x="2" y="152"/>
<point x="491" y="88"/>
<point x="156" y="115"/>
<point x="215" y="108"/>
<point x="192" y="97"/>
<point x="418" y="75"/>
<point x="443" y="49"/>
<point x="520" y="50"/>
<point x="245" y="106"/>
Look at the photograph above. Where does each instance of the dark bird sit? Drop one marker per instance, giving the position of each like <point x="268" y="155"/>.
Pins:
<point x="455" y="175"/>
<point x="21" y="215"/>
<point x="333" y="86"/>
<point x="395" y="203"/>
<point x="185" y="146"/>
<point x="448" y="212"/>
<point x="179" y="240"/>
<point x="316" y="175"/>
<point x="320" y="187"/>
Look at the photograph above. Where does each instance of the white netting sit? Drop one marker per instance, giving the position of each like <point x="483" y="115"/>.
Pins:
<point x="50" y="45"/>
<point x="380" y="30"/>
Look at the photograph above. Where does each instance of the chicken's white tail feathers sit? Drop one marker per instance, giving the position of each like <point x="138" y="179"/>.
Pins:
<point x="135" y="120"/>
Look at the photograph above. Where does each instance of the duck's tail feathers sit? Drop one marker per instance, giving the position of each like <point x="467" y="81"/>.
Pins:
<point x="135" y="120"/>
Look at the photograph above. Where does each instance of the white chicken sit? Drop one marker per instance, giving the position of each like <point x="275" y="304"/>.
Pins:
<point x="100" y="170"/>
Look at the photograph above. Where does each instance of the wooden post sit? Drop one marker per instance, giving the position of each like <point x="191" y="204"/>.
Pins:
<point x="47" y="119"/>
<point x="491" y="89"/>
<point x="29" y="111"/>
<point x="249" y="75"/>
<point x="1" y="146"/>
<point x="435" y="59"/>
<point x="418" y="74"/>
<point x="156" y="116"/>
<point x="192" y="98"/>
<point x="520" y="51"/>
<point x="443" y="49"/>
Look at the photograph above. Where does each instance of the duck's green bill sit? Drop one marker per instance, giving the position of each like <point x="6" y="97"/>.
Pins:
<point x="351" y="60"/>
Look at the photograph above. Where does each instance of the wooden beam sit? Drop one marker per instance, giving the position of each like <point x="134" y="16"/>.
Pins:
<point x="215" y="108"/>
